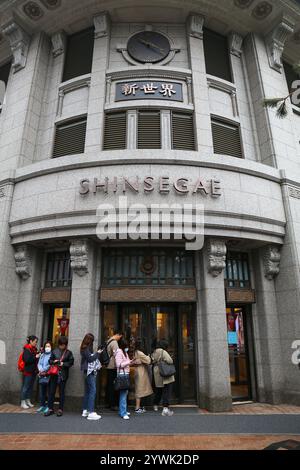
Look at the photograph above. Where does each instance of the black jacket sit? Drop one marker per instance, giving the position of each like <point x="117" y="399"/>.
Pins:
<point x="30" y="361"/>
<point x="68" y="361"/>
<point x="86" y="357"/>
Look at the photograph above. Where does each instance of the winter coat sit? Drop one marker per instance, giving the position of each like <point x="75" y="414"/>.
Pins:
<point x="122" y="362"/>
<point x="112" y="347"/>
<point x="157" y="356"/>
<point x="68" y="361"/>
<point x="43" y="364"/>
<point x="141" y="377"/>
<point x="30" y="360"/>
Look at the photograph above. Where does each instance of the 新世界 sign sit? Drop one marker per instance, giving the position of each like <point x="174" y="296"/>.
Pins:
<point x="141" y="90"/>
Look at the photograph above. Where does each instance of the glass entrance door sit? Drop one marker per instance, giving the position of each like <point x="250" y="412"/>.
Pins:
<point x="238" y="348"/>
<point x="153" y="322"/>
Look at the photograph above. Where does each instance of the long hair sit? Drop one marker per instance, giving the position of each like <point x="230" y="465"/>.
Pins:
<point x="123" y="344"/>
<point x="138" y="345"/>
<point x="87" y="342"/>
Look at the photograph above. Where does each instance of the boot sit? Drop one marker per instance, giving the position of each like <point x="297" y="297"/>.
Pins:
<point x="29" y="404"/>
<point x="24" y="405"/>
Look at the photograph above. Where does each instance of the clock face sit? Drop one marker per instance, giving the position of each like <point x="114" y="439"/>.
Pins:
<point x="148" y="47"/>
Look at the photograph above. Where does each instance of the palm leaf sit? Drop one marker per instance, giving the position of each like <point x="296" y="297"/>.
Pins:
<point x="282" y="111"/>
<point x="272" y="102"/>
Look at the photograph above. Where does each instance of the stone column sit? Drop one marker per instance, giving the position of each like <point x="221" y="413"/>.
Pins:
<point x="268" y="352"/>
<point x="213" y="358"/>
<point x="199" y="84"/>
<point x="84" y="314"/>
<point x="95" y="121"/>
<point x="28" y="267"/>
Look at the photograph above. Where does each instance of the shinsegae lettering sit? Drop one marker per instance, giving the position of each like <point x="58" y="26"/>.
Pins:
<point x="149" y="184"/>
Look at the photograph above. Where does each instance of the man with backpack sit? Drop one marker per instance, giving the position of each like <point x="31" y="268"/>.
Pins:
<point x="111" y="347"/>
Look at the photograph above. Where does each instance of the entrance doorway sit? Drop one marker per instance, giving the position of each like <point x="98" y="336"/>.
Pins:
<point x="239" y="336"/>
<point x="152" y="322"/>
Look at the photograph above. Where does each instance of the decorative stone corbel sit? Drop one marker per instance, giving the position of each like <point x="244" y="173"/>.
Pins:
<point x="275" y="42"/>
<point x="23" y="261"/>
<point x="195" y="25"/>
<point x="101" y="24"/>
<point x="59" y="42"/>
<point x="79" y="256"/>
<point x="271" y="259"/>
<point x="235" y="44"/>
<point x="19" y="42"/>
<point x="216" y="251"/>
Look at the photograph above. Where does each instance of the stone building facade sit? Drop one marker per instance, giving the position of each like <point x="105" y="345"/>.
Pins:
<point x="162" y="100"/>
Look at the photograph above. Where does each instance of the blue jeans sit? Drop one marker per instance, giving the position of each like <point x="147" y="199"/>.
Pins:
<point x="28" y="382"/>
<point x="89" y="392"/>
<point x="123" y="403"/>
<point x="43" y="393"/>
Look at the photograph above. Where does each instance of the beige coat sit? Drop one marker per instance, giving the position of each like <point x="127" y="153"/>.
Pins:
<point x="141" y="377"/>
<point x="157" y="356"/>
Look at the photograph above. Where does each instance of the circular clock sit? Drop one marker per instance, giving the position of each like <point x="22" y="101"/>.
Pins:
<point x="148" y="47"/>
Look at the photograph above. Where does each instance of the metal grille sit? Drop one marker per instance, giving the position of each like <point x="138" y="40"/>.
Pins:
<point x="226" y="139"/>
<point x="152" y="267"/>
<point x="183" y="137"/>
<point x="58" y="271"/>
<point x="70" y="138"/>
<point x="115" y="131"/>
<point x="237" y="270"/>
<point x="149" y="130"/>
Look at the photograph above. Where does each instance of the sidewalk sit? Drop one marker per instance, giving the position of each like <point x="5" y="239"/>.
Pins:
<point x="251" y="426"/>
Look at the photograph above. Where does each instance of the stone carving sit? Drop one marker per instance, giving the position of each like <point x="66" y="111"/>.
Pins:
<point x="235" y="44"/>
<point x="195" y="25"/>
<point x="51" y="4"/>
<point x="102" y="24"/>
<point x="19" y="42"/>
<point x="2" y="192"/>
<point x="33" y="11"/>
<point x="276" y="40"/>
<point x="294" y="192"/>
<point x="243" y="3"/>
<point x="271" y="261"/>
<point x="262" y="10"/>
<point x="216" y="251"/>
<point x="58" y="43"/>
<point x="79" y="257"/>
<point x="23" y="262"/>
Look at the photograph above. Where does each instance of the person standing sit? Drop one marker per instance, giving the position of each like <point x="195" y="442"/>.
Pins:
<point x="89" y="358"/>
<point x="111" y="395"/>
<point x="141" y="376"/>
<point x="30" y="358"/>
<point x="163" y="385"/>
<point x="64" y="359"/>
<point x="44" y="378"/>
<point x="123" y="363"/>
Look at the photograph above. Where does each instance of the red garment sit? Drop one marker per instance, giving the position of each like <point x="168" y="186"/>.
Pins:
<point x="34" y="352"/>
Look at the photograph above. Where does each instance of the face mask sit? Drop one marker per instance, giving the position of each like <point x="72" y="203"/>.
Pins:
<point x="126" y="350"/>
<point x="47" y="350"/>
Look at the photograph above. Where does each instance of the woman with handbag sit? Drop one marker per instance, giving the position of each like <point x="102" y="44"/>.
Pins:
<point x="163" y="372"/>
<point x="122" y="381"/>
<point x="44" y="378"/>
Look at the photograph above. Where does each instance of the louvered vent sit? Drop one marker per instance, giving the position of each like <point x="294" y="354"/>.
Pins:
<point x="183" y="137"/>
<point x="149" y="130"/>
<point x="226" y="139"/>
<point x="70" y="138"/>
<point x="115" y="131"/>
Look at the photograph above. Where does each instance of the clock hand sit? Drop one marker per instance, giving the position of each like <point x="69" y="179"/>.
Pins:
<point x="151" y="44"/>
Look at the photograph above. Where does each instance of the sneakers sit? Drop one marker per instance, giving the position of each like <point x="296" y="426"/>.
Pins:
<point x="49" y="412"/>
<point x="93" y="416"/>
<point x="24" y="405"/>
<point x="85" y="414"/>
<point x="29" y="404"/>
<point x="41" y="409"/>
<point x="59" y="413"/>
<point x="167" y="412"/>
<point x="125" y="417"/>
<point x="155" y="408"/>
<point x="140" y="411"/>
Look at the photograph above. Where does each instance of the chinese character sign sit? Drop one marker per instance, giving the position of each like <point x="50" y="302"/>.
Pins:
<point x="141" y="90"/>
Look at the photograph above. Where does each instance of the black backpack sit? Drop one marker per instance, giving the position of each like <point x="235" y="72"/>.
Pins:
<point x="104" y="357"/>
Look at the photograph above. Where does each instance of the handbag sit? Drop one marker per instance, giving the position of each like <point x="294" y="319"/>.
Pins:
<point x="54" y="369"/>
<point x="122" y="382"/>
<point x="166" y="370"/>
